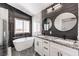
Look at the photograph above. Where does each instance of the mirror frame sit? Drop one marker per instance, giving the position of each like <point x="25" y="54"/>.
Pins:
<point x="74" y="17"/>
<point x="47" y="24"/>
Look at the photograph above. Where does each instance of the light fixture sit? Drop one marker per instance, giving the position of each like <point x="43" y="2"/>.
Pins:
<point x="57" y="7"/>
<point x="49" y="10"/>
<point x="54" y="8"/>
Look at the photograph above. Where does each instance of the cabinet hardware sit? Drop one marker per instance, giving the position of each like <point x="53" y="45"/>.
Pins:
<point x="58" y="54"/>
<point x="61" y="54"/>
<point x="45" y="48"/>
<point x="44" y="54"/>
<point x="45" y="42"/>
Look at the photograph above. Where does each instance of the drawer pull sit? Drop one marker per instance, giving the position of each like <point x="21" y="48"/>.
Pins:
<point x="45" y="48"/>
<point x="58" y="54"/>
<point x="44" y="54"/>
<point x="61" y="54"/>
<point x="45" y="42"/>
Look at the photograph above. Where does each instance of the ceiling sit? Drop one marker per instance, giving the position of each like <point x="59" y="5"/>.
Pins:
<point x="30" y="8"/>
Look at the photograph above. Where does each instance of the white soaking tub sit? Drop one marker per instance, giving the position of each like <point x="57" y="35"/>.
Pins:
<point x="23" y="43"/>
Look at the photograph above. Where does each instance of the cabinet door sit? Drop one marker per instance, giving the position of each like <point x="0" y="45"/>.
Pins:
<point x="54" y="51"/>
<point x="65" y="54"/>
<point x="57" y="52"/>
<point x="40" y="46"/>
<point x="69" y="53"/>
<point x="40" y="49"/>
<point x="36" y="45"/>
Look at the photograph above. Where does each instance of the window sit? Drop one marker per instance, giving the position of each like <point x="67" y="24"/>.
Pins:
<point x="18" y="26"/>
<point x="22" y="26"/>
<point x="26" y="26"/>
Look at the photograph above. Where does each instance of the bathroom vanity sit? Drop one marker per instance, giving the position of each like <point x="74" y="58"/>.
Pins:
<point x="55" y="46"/>
<point x="59" y="29"/>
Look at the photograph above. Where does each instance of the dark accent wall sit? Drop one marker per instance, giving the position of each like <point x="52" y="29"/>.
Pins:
<point x="67" y="7"/>
<point x="15" y="13"/>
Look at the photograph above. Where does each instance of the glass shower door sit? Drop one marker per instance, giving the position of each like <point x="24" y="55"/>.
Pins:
<point x="3" y="31"/>
<point x="5" y="45"/>
<point x="1" y="37"/>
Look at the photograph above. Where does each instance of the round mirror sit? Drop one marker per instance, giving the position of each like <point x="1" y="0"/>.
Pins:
<point x="47" y="24"/>
<point x="65" y="21"/>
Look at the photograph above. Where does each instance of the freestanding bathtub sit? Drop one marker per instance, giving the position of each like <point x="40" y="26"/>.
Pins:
<point x="23" y="43"/>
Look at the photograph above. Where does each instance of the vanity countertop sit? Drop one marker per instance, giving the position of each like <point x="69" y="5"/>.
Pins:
<point x="61" y="41"/>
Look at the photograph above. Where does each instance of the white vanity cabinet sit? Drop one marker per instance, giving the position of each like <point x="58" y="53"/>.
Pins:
<point x="60" y="50"/>
<point x="38" y="45"/>
<point x="48" y="48"/>
<point x="42" y="46"/>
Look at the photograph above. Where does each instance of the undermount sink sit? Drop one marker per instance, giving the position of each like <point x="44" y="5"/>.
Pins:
<point x="64" y="41"/>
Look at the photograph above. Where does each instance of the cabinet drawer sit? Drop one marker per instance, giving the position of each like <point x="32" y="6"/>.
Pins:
<point x="46" y="43"/>
<point x="45" y="48"/>
<point x="45" y="51"/>
<point x="39" y="39"/>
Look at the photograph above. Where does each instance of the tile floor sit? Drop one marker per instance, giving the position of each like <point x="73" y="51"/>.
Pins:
<point x="26" y="52"/>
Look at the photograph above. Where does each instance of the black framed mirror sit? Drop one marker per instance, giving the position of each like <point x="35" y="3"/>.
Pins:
<point x="47" y="24"/>
<point x="65" y="21"/>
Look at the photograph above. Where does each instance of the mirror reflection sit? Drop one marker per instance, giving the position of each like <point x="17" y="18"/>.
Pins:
<point x="65" y="21"/>
<point x="47" y="24"/>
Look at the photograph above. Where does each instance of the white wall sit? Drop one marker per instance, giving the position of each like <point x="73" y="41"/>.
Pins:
<point x="78" y="21"/>
<point x="37" y="24"/>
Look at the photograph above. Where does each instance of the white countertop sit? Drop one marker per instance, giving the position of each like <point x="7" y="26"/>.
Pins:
<point x="67" y="42"/>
